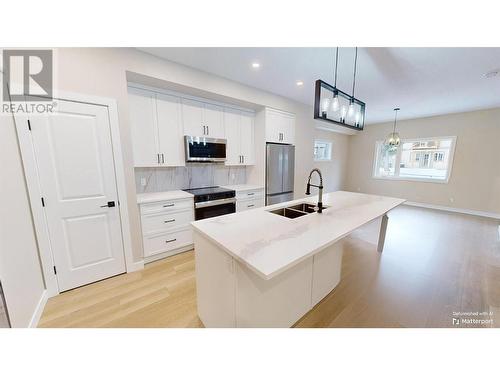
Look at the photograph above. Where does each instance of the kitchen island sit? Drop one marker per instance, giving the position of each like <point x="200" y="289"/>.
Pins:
<point x="260" y="268"/>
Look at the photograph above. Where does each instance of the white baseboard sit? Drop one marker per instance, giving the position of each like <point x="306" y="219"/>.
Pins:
<point x="136" y="266"/>
<point x="491" y="215"/>
<point x="39" y="309"/>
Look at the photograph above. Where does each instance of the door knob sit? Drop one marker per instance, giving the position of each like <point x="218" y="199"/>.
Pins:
<point x="109" y="204"/>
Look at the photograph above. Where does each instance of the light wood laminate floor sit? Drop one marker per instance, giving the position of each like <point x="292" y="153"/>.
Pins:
<point x="434" y="264"/>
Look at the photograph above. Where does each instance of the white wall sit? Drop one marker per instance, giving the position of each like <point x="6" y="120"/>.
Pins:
<point x="102" y="72"/>
<point x="20" y="270"/>
<point x="475" y="179"/>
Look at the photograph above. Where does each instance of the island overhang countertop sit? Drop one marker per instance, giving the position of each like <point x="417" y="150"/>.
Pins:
<point x="269" y="244"/>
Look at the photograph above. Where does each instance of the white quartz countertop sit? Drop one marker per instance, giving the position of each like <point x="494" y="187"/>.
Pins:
<point x="162" y="196"/>
<point x="243" y="187"/>
<point x="269" y="244"/>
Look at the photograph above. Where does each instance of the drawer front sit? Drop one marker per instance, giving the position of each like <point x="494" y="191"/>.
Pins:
<point x="250" y="194"/>
<point x="248" y="204"/>
<point x="167" y="206"/>
<point x="156" y="244"/>
<point x="153" y="223"/>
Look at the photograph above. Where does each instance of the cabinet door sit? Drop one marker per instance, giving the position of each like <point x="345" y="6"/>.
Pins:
<point x="274" y="126"/>
<point x="192" y="117"/>
<point x="213" y="119"/>
<point x="232" y="123"/>
<point x="247" y="138"/>
<point x="170" y="134"/>
<point x="288" y="129"/>
<point x="144" y="128"/>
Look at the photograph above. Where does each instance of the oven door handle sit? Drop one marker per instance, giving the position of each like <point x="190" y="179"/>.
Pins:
<point x="216" y="202"/>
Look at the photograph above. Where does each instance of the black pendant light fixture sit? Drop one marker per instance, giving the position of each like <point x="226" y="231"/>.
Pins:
<point x="336" y="106"/>
<point x="393" y="141"/>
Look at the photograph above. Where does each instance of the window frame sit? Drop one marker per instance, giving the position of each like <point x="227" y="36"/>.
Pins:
<point x="396" y="176"/>
<point x="330" y="143"/>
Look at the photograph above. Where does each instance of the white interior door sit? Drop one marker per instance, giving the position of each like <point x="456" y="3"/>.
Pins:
<point x="77" y="176"/>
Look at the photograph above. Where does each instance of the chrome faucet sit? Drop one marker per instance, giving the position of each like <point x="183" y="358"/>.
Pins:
<point x="320" y="188"/>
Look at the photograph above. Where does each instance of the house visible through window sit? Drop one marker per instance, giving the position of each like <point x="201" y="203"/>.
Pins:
<point x="420" y="159"/>
<point x="322" y="150"/>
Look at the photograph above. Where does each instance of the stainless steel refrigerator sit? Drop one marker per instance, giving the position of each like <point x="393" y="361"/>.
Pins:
<point x="280" y="165"/>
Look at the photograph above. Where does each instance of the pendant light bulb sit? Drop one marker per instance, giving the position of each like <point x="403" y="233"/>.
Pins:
<point x="335" y="102"/>
<point x="350" y="112"/>
<point x="343" y="112"/>
<point x="326" y="103"/>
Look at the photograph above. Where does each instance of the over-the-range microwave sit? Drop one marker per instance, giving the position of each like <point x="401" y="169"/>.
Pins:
<point x="204" y="149"/>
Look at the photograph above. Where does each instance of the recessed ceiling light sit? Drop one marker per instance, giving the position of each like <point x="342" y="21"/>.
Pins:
<point x="300" y="83"/>
<point x="255" y="65"/>
<point x="493" y="73"/>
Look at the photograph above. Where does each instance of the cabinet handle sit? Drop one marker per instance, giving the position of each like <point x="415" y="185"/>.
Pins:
<point x="169" y="205"/>
<point x="208" y="130"/>
<point x="169" y="221"/>
<point x="243" y="158"/>
<point x="250" y="193"/>
<point x="167" y="241"/>
<point x="158" y="157"/>
<point x="163" y="158"/>
<point x="251" y="205"/>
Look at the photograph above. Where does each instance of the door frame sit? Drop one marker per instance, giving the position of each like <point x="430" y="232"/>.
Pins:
<point x="34" y="189"/>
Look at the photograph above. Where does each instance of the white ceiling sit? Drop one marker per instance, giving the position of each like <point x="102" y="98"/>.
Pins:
<point x="422" y="81"/>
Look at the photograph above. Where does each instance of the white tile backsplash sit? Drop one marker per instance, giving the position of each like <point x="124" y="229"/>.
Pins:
<point x="191" y="176"/>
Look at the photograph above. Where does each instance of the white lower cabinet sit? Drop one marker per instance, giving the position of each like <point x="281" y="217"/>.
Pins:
<point x="249" y="199"/>
<point x="166" y="227"/>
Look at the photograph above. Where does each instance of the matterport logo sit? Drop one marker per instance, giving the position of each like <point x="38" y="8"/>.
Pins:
<point x="27" y="81"/>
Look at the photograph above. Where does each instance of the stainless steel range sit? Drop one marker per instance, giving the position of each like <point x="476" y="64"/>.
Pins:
<point x="212" y="201"/>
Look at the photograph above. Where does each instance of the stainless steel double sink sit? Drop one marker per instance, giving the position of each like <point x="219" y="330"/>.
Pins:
<point x="295" y="211"/>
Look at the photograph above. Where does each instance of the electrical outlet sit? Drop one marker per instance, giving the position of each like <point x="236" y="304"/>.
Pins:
<point x="452" y="199"/>
<point x="143" y="181"/>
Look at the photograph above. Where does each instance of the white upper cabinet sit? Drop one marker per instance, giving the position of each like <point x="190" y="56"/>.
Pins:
<point x="239" y="130"/>
<point x="156" y="129"/>
<point x="159" y="122"/>
<point x="170" y="135"/>
<point x="202" y="119"/>
<point x="232" y="121"/>
<point x="192" y="117"/>
<point x="213" y="120"/>
<point x="280" y="126"/>
<point x="247" y="138"/>
<point x="144" y="128"/>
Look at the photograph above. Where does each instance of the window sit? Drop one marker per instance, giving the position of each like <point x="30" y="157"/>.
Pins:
<point x="322" y="150"/>
<point x="416" y="160"/>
